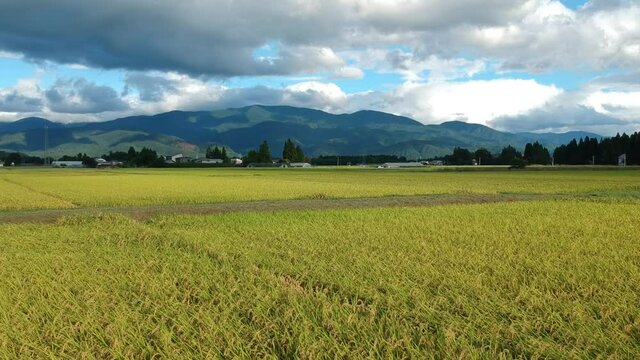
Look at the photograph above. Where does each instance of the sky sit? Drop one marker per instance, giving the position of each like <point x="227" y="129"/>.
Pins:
<point x="534" y="65"/>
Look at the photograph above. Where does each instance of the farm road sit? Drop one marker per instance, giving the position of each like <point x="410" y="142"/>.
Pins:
<point x="145" y="212"/>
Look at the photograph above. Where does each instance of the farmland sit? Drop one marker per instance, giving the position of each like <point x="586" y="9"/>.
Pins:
<point x="497" y="264"/>
<point x="46" y="189"/>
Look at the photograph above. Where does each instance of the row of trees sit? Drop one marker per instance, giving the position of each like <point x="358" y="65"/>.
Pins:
<point x="143" y="158"/>
<point x="9" y="159"/>
<point x="605" y="151"/>
<point x="217" y="153"/>
<point x="576" y="152"/>
<point x="534" y="153"/>
<point x="290" y="153"/>
<point x="356" y="159"/>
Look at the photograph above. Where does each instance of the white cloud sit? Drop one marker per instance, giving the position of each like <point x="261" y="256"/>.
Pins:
<point x="618" y="104"/>
<point x="349" y="72"/>
<point x="472" y="101"/>
<point x="24" y="97"/>
<point x="325" y="96"/>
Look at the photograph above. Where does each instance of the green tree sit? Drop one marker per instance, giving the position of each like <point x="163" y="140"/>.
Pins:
<point x="508" y="155"/>
<point x="223" y="155"/>
<point x="131" y="154"/>
<point x="299" y="154"/>
<point x="537" y="154"/>
<point x="264" y="154"/>
<point x="288" y="151"/>
<point x="13" y="159"/>
<point x="460" y="156"/>
<point x="252" y="157"/>
<point x="483" y="157"/>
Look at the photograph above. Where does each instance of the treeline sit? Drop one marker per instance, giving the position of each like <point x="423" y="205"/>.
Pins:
<point x="11" y="159"/>
<point x="534" y="153"/>
<point x="132" y="158"/>
<point x="143" y="158"/>
<point x="599" y="152"/>
<point x="356" y="159"/>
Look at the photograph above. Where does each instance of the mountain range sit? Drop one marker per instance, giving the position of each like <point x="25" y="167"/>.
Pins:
<point x="243" y="129"/>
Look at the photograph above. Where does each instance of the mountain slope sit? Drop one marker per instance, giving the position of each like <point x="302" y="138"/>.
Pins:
<point x="242" y="129"/>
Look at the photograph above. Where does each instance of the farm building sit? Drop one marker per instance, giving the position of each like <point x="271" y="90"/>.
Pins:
<point x="402" y="165"/>
<point x="209" y="161"/>
<point x="434" y="163"/>
<point x="299" y="165"/>
<point x="267" y="165"/>
<point x="68" y="164"/>
<point x="109" y="164"/>
<point x="178" y="159"/>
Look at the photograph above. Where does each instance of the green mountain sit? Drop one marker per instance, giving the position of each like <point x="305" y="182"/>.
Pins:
<point x="243" y="129"/>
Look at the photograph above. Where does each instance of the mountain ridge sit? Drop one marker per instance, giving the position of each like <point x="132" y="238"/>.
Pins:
<point x="242" y="129"/>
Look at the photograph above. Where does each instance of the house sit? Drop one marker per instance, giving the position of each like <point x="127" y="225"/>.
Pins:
<point x="67" y="164"/>
<point x="401" y="165"/>
<point x="179" y="159"/>
<point x="299" y="165"/>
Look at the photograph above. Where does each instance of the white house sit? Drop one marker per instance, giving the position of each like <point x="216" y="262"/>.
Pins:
<point x="236" y="161"/>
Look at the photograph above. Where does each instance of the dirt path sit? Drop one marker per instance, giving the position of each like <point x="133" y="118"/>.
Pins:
<point x="145" y="212"/>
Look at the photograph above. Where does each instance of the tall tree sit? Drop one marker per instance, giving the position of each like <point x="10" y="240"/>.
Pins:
<point x="537" y="154"/>
<point x="299" y="154"/>
<point x="288" y="150"/>
<point x="264" y="154"/>
<point x="508" y="155"/>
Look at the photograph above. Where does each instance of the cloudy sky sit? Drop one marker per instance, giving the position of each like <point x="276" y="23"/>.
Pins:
<point x="535" y="65"/>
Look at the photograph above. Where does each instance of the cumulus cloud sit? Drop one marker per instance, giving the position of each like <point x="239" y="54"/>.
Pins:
<point x="590" y="108"/>
<point x="149" y="87"/>
<point x="79" y="96"/>
<point x="473" y="101"/>
<point x="24" y="97"/>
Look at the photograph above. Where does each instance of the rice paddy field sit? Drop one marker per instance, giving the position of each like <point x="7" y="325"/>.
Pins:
<point x="402" y="264"/>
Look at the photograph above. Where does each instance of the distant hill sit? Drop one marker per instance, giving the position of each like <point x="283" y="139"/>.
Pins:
<point x="318" y="132"/>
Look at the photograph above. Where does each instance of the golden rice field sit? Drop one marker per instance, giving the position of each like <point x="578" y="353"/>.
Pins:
<point x="549" y="277"/>
<point x="68" y="188"/>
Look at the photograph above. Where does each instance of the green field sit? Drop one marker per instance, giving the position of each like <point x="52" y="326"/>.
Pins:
<point x="402" y="264"/>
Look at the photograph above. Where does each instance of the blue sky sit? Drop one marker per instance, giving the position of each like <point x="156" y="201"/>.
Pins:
<point x="537" y="65"/>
